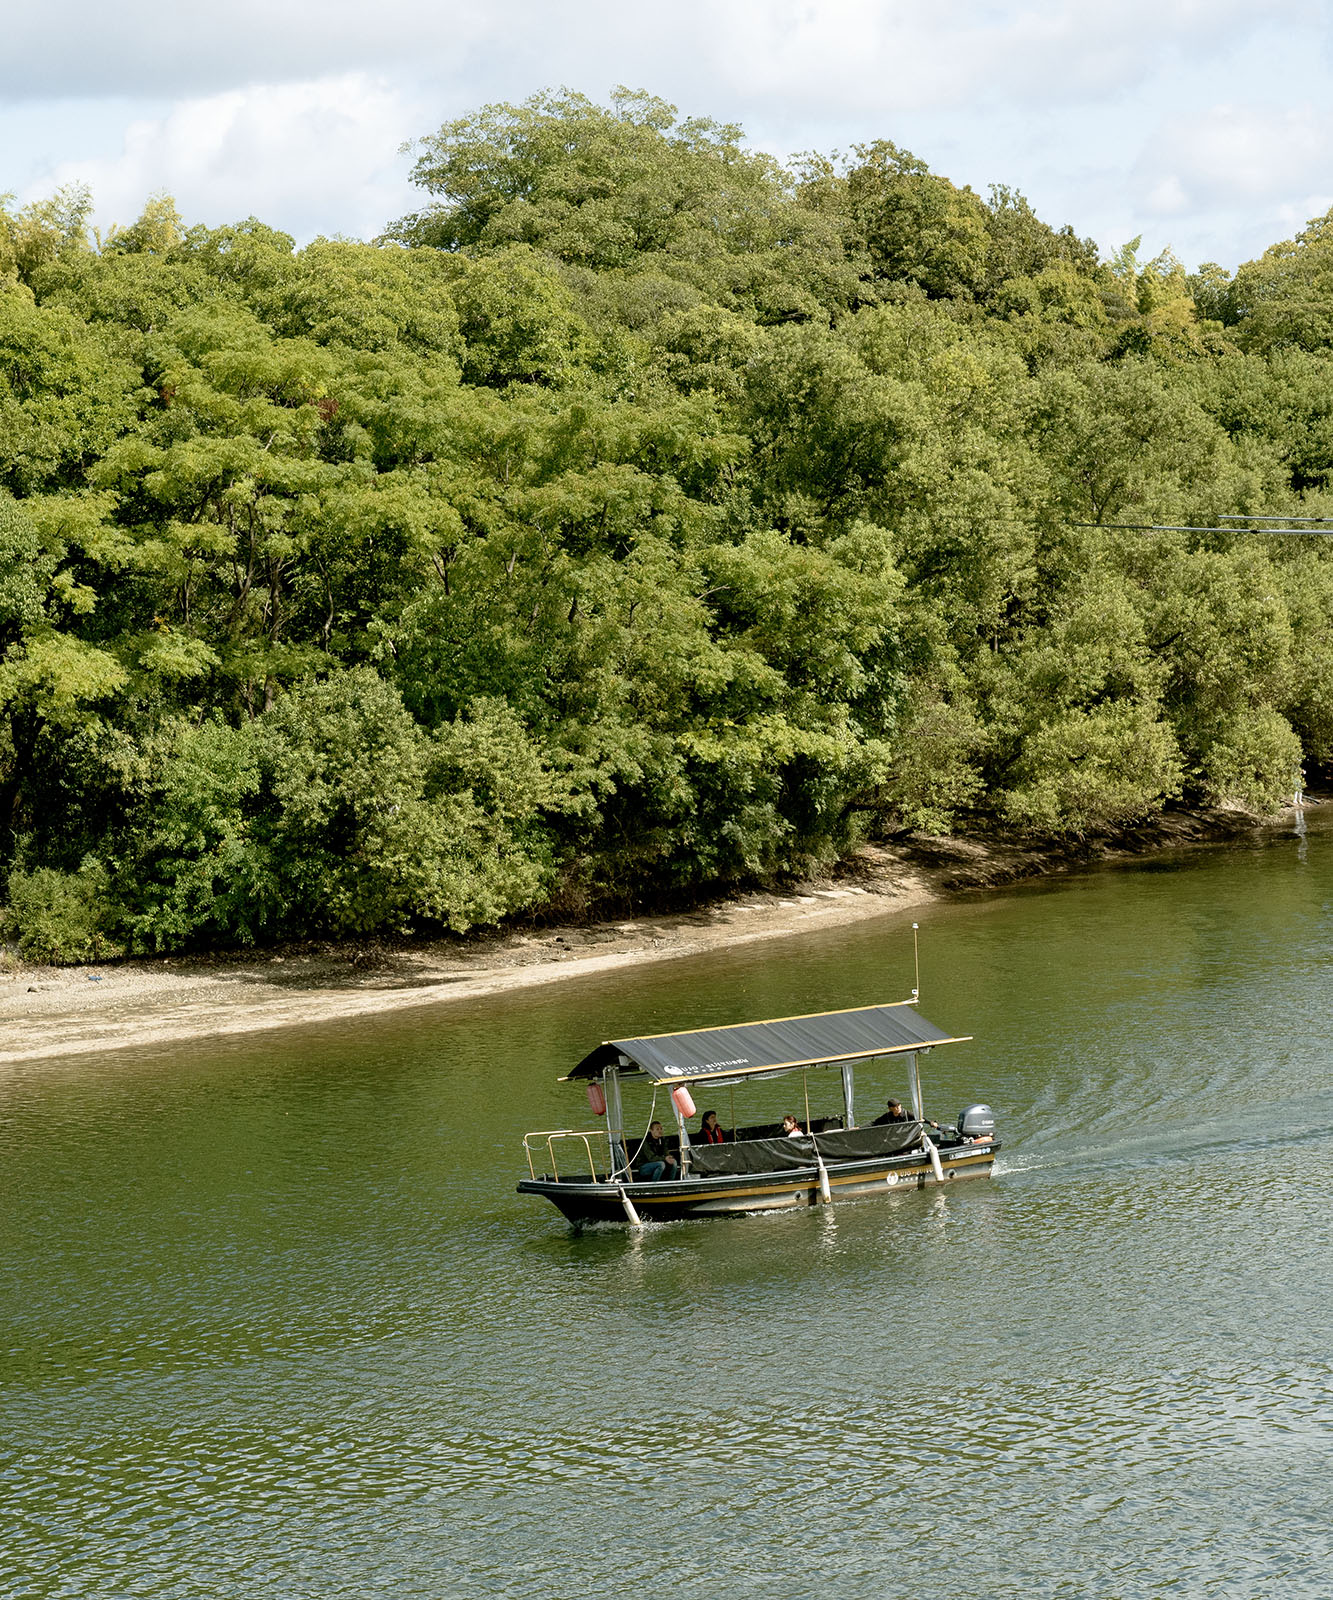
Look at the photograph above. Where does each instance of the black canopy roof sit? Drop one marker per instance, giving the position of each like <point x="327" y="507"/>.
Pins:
<point x="747" y="1049"/>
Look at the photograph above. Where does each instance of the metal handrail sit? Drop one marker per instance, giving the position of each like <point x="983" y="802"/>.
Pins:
<point x="552" y="1134"/>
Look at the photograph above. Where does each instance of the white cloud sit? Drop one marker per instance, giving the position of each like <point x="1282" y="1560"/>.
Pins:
<point x="1256" y="172"/>
<point x="1239" y="154"/>
<point x="308" y="157"/>
<point x="1293" y="217"/>
<point x="1151" y="117"/>
<point x="828" y="53"/>
<point x="1167" y="197"/>
<point x="877" y="56"/>
<point x="67" y="48"/>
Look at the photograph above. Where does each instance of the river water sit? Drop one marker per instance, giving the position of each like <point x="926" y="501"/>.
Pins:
<point x="275" y="1322"/>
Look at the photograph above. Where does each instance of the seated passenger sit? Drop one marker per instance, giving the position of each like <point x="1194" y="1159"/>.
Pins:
<point x="791" y="1127"/>
<point x="710" y="1133"/>
<point x="655" y="1160"/>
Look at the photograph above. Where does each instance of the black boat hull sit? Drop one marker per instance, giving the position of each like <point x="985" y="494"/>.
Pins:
<point x="602" y="1201"/>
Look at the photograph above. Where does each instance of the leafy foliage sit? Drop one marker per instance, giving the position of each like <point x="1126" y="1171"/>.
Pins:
<point x="639" y="515"/>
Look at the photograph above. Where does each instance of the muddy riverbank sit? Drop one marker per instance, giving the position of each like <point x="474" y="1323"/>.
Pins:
<point x="50" y="1011"/>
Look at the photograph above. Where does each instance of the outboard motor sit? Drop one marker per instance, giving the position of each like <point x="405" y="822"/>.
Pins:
<point x="976" y="1122"/>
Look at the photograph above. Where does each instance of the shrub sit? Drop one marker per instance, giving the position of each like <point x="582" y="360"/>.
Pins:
<point x="62" y="917"/>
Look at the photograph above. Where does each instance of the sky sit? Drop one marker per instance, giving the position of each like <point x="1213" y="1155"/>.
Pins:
<point x="1206" y="126"/>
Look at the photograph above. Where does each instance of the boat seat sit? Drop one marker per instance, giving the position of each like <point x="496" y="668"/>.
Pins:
<point x="672" y="1147"/>
<point x="781" y="1154"/>
<point x="773" y="1130"/>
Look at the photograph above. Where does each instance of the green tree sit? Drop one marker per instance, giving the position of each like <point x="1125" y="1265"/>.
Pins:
<point x="917" y="226"/>
<point x="1285" y="298"/>
<point x="44" y="231"/>
<point x="644" y="515"/>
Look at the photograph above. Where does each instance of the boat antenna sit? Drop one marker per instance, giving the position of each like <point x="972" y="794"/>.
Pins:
<point x="916" y="958"/>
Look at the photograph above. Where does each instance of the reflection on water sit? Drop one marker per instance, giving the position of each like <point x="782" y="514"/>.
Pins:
<point x="276" y="1324"/>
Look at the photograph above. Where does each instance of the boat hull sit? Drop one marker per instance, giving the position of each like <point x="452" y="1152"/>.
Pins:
<point x="600" y="1201"/>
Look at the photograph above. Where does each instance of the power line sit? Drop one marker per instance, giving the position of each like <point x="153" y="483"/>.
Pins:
<point x="1178" y="527"/>
<point x="1231" y="516"/>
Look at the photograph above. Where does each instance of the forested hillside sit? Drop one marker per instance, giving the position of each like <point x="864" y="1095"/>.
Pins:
<point x="638" y="516"/>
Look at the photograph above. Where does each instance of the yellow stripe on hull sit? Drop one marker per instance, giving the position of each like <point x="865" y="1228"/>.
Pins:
<point x="884" y="1178"/>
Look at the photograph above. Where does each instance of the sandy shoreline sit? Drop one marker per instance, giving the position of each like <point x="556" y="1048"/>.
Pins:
<point x="48" y="1012"/>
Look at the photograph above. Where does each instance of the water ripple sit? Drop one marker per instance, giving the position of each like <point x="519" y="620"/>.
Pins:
<point x="275" y="1323"/>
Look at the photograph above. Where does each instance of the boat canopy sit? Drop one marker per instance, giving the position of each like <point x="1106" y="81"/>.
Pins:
<point x="750" y="1049"/>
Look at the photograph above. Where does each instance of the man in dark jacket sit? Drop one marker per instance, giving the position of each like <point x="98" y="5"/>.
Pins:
<point x="895" y="1113"/>
<point x="655" y="1160"/>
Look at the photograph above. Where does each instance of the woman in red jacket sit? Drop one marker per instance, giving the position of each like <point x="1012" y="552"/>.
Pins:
<point x="710" y="1133"/>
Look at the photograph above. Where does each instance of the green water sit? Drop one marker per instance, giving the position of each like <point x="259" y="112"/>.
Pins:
<point x="275" y="1322"/>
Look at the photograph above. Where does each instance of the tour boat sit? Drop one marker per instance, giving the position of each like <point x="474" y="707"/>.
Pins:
<point x="595" y="1174"/>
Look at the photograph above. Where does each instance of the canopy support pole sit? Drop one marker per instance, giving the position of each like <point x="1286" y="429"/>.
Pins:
<point x="914" y="1077"/>
<point x="825" y="1193"/>
<point x="615" y="1120"/>
<point x="684" y="1134"/>
<point x="848" y="1095"/>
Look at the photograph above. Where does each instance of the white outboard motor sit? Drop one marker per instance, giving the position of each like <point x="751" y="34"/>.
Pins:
<point x="977" y="1122"/>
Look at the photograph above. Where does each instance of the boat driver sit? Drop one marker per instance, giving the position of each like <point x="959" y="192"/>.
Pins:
<point x="895" y="1113"/>
<point x="655" y="1160"/>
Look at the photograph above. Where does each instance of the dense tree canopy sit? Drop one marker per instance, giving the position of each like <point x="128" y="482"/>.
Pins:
<point x="639" y="516"/>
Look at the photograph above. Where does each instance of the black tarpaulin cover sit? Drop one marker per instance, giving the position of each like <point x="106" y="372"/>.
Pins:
<point x="780" y="1155"/>
<point x="749" y="1048"/>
